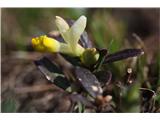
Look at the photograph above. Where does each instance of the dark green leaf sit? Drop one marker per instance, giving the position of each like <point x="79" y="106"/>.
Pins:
<point x="124" y="54"/>
<point x="52" y="73"/>
<point x="102" y="53"/>
<point x="104" y="77"/>
<point x="88" y="81"/>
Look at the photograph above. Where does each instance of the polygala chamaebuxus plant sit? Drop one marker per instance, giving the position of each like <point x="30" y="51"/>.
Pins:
<point x="77" y="77"/>
<point x="71" y="36"/>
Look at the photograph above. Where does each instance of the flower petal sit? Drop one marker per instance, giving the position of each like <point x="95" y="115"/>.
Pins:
<point x="74" y="33"/>
<point x="62" y="26"/>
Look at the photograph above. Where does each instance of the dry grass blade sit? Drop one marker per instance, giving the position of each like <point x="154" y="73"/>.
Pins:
<point x="35" y="88"/>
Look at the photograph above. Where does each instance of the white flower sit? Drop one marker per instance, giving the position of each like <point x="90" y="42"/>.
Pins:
<point x="71" y="35"/>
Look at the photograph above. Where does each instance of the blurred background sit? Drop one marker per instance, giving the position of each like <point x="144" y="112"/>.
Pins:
<point x="114" y="29"/>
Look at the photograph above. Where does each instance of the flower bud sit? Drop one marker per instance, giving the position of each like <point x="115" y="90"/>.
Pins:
<point x="90" y="56"/>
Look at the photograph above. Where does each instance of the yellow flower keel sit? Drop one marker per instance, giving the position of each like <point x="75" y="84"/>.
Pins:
<point x="45" y="44"/>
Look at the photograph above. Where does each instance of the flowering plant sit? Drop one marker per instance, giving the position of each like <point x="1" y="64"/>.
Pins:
<point x="83" y="79"/>
<point x="71" y="36"/>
